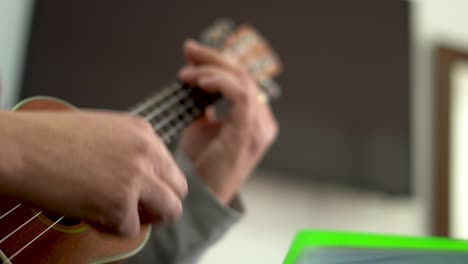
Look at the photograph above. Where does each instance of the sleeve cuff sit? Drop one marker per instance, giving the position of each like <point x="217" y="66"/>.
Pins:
<point x="202" y="198"/>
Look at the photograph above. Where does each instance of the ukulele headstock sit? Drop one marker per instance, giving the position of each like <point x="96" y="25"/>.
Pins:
<point x="247" y="46"/>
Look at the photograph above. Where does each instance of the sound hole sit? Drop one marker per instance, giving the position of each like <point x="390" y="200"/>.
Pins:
<point x="66" y="221"/>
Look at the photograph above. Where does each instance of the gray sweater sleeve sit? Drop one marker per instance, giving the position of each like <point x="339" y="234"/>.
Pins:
<point x="203" y="223"/>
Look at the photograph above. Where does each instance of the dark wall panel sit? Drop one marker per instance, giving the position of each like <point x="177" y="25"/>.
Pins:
<point x="345" y="111"/>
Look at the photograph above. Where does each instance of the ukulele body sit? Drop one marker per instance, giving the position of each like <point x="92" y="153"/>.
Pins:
<point x="69" y="241"/>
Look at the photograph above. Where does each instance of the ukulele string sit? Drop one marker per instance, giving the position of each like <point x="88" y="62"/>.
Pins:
<point x="181" y="109"/>
<point x="154" y="100"/>
<point x="23" y="225"/>
<point x="30" y="242"/>
<point x="171" y="102"/>
<point x="174" y="130"/>
<point x="11" y="210"/>
<point x="168" y="111"/>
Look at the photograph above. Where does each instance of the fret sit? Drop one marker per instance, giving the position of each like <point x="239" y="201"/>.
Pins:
<point x="171" y="101"/>
<point x="174" y="131"/>
<point x="170" y="110"/>
<point x="152" y="101"/>
<point x="173" y="114"/>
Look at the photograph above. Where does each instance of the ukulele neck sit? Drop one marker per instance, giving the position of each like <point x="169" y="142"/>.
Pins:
<point x="178" y="105"/>
<point x="172" y="109"/>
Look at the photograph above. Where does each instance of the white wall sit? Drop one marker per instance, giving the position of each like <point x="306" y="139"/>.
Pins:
<point x="14" y="25"/>
<point x="459" y="150"/>
<point x="434" y="22"/>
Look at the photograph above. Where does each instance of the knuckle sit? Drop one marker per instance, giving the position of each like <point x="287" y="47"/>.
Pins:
<point x="164" y="164"/>
<point x="236" y="67"/>
<point x="184" y="188"/>
<point x="269" y="135"/>
<point x="122" y="216"/>
<point x="250" y="114"/>
<point x="119" y="217"/>
<point x="125" y="186"/>
<point x="263" y="137"/>
<point x="121" y="197"/>
<point x="174" y="212"/>
<point x="273" y="131"/>
<point x="143" y="143"/>
<point x="247" y="79"/>
<point x="181" y="185"/>
<point x="258" y="143"/>
<point x="241" y="72"/>
<point x="244" y="96"/>
<point x="128" y="230"/>
<point x="255" y="146"/>
<point x="119" y="209"/>
<point x="137" y="168"/>
<point x="140" y="137"/>
<point x="142" y="124"/>
<point x="178" y="180"/>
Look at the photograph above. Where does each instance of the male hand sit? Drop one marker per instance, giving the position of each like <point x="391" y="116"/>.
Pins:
<point x="225" y="151"/>
<point x="108" y="169"/>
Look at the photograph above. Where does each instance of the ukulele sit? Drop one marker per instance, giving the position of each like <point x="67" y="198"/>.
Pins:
<point x="30" y="235"/>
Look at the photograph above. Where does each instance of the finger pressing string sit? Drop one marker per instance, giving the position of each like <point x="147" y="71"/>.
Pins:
<point x="215" y="80"/>
<point x="199" y="54"/>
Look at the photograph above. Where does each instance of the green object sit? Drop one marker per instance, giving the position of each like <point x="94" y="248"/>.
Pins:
<point x="307" y="239"/>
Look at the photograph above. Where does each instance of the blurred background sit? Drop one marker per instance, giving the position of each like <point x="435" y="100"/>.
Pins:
<point x="356" y="149"/>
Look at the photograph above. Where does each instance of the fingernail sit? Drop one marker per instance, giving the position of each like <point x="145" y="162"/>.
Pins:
<point x="192" y="44"/>
<point x="185" y="189"/>
<point x="185" y="72"/>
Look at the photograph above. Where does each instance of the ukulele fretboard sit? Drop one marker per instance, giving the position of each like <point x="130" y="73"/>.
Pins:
<point x="173" y="108"/>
